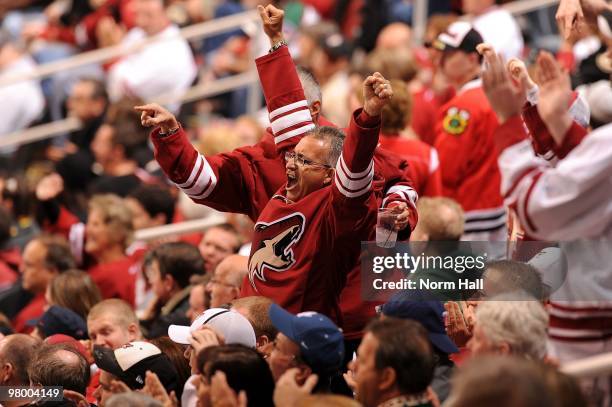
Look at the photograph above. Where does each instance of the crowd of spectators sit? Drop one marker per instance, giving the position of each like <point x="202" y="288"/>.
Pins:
<point x="493" y="128"/>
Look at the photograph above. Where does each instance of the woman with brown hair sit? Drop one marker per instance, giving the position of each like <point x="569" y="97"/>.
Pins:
<point x="75" y="290"/>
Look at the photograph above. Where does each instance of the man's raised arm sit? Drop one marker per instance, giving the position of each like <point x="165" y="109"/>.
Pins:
<point x="219" y="181"/>
<point x="570" y="201"/>
<point x="355" y="168"/>
<point x="287" y="106"/>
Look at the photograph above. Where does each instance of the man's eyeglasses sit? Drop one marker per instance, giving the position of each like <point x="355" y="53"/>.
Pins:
<point x="302" y="161"/>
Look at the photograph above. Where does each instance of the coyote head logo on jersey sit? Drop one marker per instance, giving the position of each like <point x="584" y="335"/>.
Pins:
<point x="272" y="245"/>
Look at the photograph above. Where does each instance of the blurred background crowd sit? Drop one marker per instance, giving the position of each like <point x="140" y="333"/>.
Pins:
<point x="78" y="282"/>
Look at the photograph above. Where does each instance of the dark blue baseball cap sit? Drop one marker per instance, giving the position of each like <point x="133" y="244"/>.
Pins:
<point x="321" y="342"/>
<point x="60" y="320"/>
<point x="428" y="314"/>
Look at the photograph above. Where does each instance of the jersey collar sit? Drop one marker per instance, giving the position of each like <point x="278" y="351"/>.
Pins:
<point x="474" y="83"/>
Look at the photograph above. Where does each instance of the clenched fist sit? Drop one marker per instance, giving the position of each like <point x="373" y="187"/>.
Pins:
<point x="272" y="19"/>
<point x="377" y="92"/>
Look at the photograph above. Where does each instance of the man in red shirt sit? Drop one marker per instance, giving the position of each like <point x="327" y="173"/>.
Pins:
<point x="399" y="137"/>
<point x="307" y="236"/>
<point x="464" y="138"/>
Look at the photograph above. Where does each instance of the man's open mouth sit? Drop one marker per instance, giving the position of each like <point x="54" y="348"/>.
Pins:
<point x="291" y="180"/>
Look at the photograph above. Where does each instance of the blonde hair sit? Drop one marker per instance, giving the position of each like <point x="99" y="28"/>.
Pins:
<point x="397" y="113"/>
<point x="121" y="311"/>
<point x="392" y="64"/>
<point x="441" y="218"/>
<point x="217" y="138"/>
<point x="116" y="215"/>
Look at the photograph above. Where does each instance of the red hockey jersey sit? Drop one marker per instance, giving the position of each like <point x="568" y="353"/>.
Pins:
<point x="468" y="158"/>
<point x="290" y="119"/>
<point x="392" y="173"/>
<point x="253" y="174"/>
<point x="423" y="159"/>
<point x="302" y="252"/>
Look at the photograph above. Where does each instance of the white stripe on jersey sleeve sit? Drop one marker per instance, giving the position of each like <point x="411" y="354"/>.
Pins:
<point x="284" y="122"/>
<point x="284" y="109"/>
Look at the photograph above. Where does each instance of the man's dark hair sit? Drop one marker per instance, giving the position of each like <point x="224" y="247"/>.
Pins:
<point x="19" y="350"/>
<point x="403" y="345"/>
<point x="59" y="256"/>
<point x="517" y="276"/>
<point x="155" y="199"/>
<point x="60" y="365"/>
<point x="128" y="132"/>
<point x="178" y="259"/>
<point x="99" y="88"/>
<point x="335" y="138"/>
<point x="245" y="369"/>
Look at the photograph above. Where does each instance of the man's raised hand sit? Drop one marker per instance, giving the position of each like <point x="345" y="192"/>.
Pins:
<point x="377" y="92"/>
<point x="153" y="114"/>
<point x="506" y="98"/>
<point x="555" y="96"/>
<point x="272" y="19"/>
<point x="573" y="14"/>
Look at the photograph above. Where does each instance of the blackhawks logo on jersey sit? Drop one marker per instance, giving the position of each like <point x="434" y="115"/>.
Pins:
<point x="272" y="245"/>
<point x="455" y="121"/>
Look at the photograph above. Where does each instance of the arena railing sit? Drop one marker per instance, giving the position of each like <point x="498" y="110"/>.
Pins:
<point x="248" y="79"/>
<point x="248" y="20"/>
<point x="519" y="7"/>
<point x="177" y="229"/>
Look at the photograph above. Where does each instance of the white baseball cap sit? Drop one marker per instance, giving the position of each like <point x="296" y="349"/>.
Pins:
<point x="233" y="326"/>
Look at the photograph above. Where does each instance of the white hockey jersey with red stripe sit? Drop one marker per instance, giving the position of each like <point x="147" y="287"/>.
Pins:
<point x="571" y="203"/>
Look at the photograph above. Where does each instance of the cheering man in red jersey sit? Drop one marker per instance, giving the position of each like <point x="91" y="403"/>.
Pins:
<point x="307" y="237"/>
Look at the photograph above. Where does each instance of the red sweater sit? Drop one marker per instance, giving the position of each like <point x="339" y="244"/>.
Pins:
<point x="115" y="279"/>
<point x="423" y="159"/>
<point x="33" y="310"/>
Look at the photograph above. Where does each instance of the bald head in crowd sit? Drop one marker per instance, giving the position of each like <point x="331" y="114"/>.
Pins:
<point x="113" y="323"/>
<point x="440" y="219"/>
<point x="394" y="35"/>
<point x="16" y="352"/>
<point x="60" y="365"/>
<point x="227" y="280"/>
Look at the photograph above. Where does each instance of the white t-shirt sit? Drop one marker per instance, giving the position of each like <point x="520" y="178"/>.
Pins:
<point x="21" y="103"/>
<point x="166" y="67"/>
<point x="500" y="29"/>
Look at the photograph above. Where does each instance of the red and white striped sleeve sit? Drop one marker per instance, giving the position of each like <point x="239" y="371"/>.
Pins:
<point x="201" y="181"/>
<point x="403" y="193"/>
<point x="570" y="201"/>
<point x="355" y="168"/>
<point x="223" y="182"/>
<point x="287" y="106"/>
